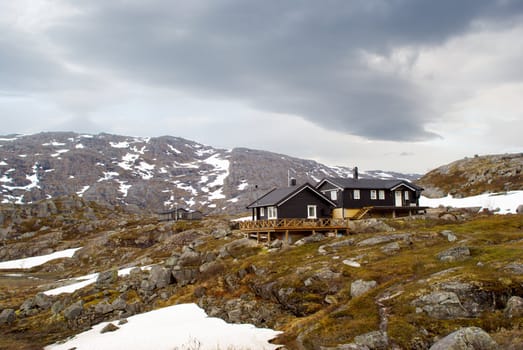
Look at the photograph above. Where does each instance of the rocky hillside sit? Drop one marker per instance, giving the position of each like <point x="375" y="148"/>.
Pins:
<point x="416" y="283"/>
<point x="473" y="176"/>
<point x="146" y="173"/>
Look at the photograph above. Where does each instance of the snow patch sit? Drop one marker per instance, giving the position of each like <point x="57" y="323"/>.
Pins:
<point x="82" y="191"/>
<point x="507" y="203"/>
<point x="54" y="144"/>
<point x="185" y="325"/>
<point x="79" y="146"/>
<point x="174" y="149"/>
<point x="243" y="185"/>
<point x="124" y="187"/>
<point x="128" y="161"/>
<point x="123" y="144"/>
<point x="2" y="163"/>
<point x="27" y="263"/>
<point x="58" y="152"/>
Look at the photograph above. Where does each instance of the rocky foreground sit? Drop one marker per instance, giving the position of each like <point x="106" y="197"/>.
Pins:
<point x="446" y="280"/>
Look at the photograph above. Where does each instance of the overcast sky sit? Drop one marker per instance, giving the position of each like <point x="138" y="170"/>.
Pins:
<point x="405" y="85"/>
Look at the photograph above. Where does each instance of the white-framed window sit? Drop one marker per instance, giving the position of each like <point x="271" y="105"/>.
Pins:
<point x="373" y="194"/>
<point x="272" y="212"/>
<point x="311" y="212"/>
<point x="381" y="194"/>
<point x="406" y="195"/>
<point x="356" y="194"/>
<point x="262" y="211"/>
<point x="334" y="195"/>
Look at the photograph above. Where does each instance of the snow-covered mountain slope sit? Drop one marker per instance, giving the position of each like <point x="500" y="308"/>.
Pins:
<point x="148" y="173"/>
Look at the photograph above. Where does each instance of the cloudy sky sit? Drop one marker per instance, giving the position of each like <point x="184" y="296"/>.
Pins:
<point x="403" y="85"/>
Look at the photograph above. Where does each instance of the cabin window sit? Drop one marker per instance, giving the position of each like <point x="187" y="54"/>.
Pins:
<point x="381" y="194"/>
<point x="406" y="195"/>
<point x="356" y="194"/>
<point x="311" y="212"/>
<point x="373" y="194"/>
<point x="272" y="212"/>
<point x="334" y="195"/>
<point x="262" y="211"/>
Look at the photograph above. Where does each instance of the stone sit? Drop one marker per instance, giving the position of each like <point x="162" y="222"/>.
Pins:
<point x="376" y="340"/>
<point x="317" y="237"/>
<point x="515" y="268"/>
<point x="441" y="305"/>
<point x="160" y="276"/>
<point x="449" y="235"/>
<point x="106" y="278"/>
<point x="7" y="316"/>
<point x="351" y="263"/>
<point x="103" y="308"/>
<point x="189" y="258"/>
<point x="360" y="287"/>
<point x="119" y="304"/>
<point x="74" y="310"/>
<point x="384" y="239"/>
<point x="172" y="260"/>
<point x="109" y="328"/>
<point x="184" y="276"/>
<point x="221" y="232"/>
<point x="239" y="248"/>
<point x="276" y="244"/>
<point x="469" y="338"/>
<point x="324" y="249"/>
<point x="43" y="301"/>
<point x="391" y="248"/>
<point x="58" y="306"/>
<point x="514" y="307"/>
<point x="519" y="209"/>
<point x="454" y="254"/>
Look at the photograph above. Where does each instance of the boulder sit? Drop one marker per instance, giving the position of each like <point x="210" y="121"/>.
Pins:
<point x="376" y="340"/>
<point x="7" y="316"/>
<point x="384" y="239"/>
<point x="106" y="278"/>
<point x="391" y="248"/>
<point x="119" y="304"/>
<point x="184" y="276"/>
<point x="73" y="311"/>
<point x="449" y="235"/>
<point x="317" y="237"/>
<point x="441" y="305"/>
<point x="369" y="226"/>
<point x="470" y="338"/>
<point x="326" y="248"/>
<point x="103" y="308"/>
<point x="514" y="307"/>
<point x="515" y="268"/>
<point x="454" y="254"/>
<point x="519" y="209"/>
<point x="43" y="301"/>
<point x="189" y="258"/>
<point x="239" y="248"/>
<point x="360" y="287"/>
<point x="109" y="328"/>
<point x="160" y="276"/>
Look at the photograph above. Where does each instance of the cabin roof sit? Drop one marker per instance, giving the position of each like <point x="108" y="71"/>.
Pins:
<point x="372" y="184"/>
<point x="278" y="196"/>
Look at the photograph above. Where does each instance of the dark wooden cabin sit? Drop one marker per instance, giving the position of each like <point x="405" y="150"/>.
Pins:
<point x="355" y="197"/>
<point x="303" y="202"/>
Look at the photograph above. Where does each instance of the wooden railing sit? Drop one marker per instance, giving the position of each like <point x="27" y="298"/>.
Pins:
<point x="294" y="224"/>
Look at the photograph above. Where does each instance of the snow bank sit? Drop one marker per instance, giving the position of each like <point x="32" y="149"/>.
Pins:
<point x="27" y="263"/>
<point x="184" y="326"/>
<point x="507" y="203"/>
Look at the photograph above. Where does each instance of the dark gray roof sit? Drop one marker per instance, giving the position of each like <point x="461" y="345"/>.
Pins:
<point x="279" y="195"/>
<point x="349" y="183"/>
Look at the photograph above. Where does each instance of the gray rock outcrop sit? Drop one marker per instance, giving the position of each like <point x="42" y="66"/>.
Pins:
<point x="360" y="287"/>
<point x="7" y="316"/>
<point x="470" y="338"/>
<point x="454" y="254"/>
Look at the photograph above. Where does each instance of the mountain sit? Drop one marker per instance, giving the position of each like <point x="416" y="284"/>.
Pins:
<point x="148" y="173"/>
<point x="474" y="176"/>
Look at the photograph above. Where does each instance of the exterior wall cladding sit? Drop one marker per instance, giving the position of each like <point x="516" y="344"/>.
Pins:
<point x="348" y="201"/>
<point x="296" y="207"/>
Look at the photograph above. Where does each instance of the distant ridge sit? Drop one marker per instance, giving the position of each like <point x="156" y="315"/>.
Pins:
<point x="477" y="175"/>
<point x="148" y="173"/>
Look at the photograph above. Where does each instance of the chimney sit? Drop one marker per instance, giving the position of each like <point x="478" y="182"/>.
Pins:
<point x="355" y="173"/>
<point x="292" y="182"/>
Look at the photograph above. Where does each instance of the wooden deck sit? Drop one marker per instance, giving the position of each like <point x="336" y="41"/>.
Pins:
<point x="262" y="229"/>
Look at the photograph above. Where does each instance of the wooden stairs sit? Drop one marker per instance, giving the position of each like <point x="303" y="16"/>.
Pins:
<point x="361" y="213"/>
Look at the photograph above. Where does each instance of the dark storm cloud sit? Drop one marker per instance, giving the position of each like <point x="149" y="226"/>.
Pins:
<point x="301" y="58"/>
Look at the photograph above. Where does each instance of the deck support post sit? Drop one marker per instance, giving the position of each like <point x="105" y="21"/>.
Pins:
<point x="269" y="237"/>
<point x="286" y="236"/>
<point x="257" y="237"/>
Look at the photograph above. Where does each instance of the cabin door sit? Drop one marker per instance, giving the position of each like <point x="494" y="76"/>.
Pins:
<point x="398" y="200"/>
